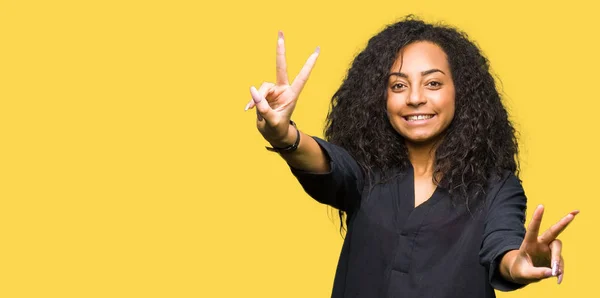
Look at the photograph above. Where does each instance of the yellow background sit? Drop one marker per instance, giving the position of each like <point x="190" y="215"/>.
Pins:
<point x="129" y="169"/>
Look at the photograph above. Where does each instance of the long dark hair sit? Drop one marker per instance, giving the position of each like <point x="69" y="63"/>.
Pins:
<point x="479" y="144"/>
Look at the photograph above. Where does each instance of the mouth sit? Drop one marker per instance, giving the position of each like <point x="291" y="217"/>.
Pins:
<point x="417" y="117"/>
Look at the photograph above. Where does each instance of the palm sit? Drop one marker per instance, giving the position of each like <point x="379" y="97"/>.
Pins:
<point x="540" y="256"/>
<point x="282" y="100"/>
<point x="275" y="102"/>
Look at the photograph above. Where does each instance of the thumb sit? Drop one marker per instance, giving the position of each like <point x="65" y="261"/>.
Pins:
<point x="536" y="273"/>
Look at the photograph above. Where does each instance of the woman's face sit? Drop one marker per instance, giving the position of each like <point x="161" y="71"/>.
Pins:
<point x="420" y="93"/>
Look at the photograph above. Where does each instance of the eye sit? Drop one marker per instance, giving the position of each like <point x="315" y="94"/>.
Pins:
<point x="397" y="86"/>
<point x="434" y="84"/>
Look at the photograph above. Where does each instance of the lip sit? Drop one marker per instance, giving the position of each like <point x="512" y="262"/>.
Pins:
<point x="418" y="122"/>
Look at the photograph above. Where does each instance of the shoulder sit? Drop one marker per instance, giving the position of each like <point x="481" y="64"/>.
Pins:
<point x="498" y="183"/>
<point x="505" y="190"/>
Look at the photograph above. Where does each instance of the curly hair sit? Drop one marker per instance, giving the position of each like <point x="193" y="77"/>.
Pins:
<point x="480" y="143"/>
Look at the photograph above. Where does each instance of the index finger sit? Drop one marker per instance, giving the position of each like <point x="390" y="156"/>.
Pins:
<point x="534" y="226"/>
<point x="280" y="63"/>
<point x="555" y="230"/>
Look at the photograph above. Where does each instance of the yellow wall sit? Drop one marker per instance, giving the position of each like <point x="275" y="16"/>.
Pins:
<point x="129" y="169"/>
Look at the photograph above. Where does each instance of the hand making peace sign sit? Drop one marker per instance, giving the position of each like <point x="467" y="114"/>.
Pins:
<point x="276" y="102"/>
<point x="540" y="257"/>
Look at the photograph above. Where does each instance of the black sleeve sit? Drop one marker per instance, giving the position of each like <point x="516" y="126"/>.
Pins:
<point x="504" y="229"/>
<point x="341" y="187"/>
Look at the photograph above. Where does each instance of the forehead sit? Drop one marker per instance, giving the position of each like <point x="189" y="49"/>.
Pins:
<point x="420" y="56"/>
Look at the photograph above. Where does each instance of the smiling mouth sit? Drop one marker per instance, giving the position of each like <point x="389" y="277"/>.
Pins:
<point x="418" y="117"/>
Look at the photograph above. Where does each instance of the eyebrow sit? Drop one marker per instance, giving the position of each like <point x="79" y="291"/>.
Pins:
<point x="423" y="73"/>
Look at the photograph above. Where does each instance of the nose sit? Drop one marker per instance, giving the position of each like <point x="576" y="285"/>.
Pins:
<point x="415" y="98"/>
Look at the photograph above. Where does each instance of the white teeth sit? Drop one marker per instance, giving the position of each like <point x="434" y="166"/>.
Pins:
<point x="418" y="117"/>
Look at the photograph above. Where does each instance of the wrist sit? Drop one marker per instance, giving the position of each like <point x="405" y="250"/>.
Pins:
<point x="287" y="140"/>
<point x="289" y="143"/>
<point x="506" y="265"/>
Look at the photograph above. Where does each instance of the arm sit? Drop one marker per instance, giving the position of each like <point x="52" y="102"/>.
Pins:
<point x="341" y="186"/>
<point x="327" y="172"/>
<point x="308" y="157"/>
<point x="504" y="230"/>
<point x="516" y="257"/>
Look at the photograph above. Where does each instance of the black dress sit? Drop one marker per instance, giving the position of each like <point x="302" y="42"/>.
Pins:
<point x="437" y="249"/>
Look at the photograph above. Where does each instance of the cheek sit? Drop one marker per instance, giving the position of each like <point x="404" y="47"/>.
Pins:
<point x="450" y="107"/>
<point x="393" y="104"/>
<point x="446" y="103"/>
<point x="393" y="108"/>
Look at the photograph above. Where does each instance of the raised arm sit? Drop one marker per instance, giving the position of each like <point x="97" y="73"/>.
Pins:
<point x="275" y="103"/>
<point x="327" y="172"/>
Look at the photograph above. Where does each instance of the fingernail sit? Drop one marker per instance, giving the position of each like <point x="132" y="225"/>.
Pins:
<point x="548" y="273"/>
<point x="255" y="95"/>
<point x="247" y="106"/>
<point x="554" y="268"/>
<point x="280" y="35"/>
<point x="318" y="50"/>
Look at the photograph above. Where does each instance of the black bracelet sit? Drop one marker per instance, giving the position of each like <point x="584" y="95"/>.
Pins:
<point x="289" y="148"/>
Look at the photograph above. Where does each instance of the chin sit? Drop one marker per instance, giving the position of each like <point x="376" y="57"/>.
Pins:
<point x="421" y="139"/>
<point x="418" y="140"/>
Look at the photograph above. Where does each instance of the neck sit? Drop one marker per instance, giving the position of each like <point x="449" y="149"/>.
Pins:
<point x="422" y="158"/>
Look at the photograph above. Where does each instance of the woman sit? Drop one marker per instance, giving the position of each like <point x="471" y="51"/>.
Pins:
<point x="421" y="161"/>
